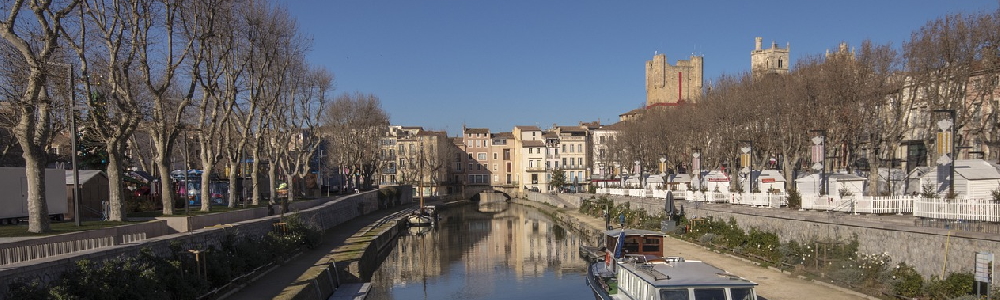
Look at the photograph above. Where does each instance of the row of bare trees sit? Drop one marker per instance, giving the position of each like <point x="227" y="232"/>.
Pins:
<point x="868" y="100"/>
<point x="232" y="74"/>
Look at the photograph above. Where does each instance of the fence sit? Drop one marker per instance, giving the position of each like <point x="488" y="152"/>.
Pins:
<point x="43" y="247"/>
<point x="957" y="210"/>
<point x="962" y="208"/>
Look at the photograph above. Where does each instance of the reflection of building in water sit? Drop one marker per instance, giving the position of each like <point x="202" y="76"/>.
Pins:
<point x="520" y="239"/>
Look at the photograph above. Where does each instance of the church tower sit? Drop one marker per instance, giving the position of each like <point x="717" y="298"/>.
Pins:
<point x="767" y="61"/>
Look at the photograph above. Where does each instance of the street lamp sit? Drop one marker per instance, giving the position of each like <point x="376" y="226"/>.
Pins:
<point x="638" y="171"/>
<point x="946" y="144"/>
<point x="746" y="159"/>
<point x="696" y="165"/>
<point x="819" y="157"/>
<point x="71" y="77"/>
<point x="663" y="164"/>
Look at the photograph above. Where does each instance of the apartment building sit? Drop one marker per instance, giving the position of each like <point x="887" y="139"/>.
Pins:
<point x="477" y="147"/>
<point x="575" y="154"/>
<point x="502" y="153"/>
<point x="529" y="164"/>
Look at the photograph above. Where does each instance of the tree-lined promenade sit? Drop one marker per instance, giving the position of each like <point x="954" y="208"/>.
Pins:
<point x="870" y="101"/>
<point x="226" y="81"/>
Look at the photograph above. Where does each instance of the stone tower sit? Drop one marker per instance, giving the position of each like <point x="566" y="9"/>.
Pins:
<point x="767" y="61"/>
<point x="668" y="85"/>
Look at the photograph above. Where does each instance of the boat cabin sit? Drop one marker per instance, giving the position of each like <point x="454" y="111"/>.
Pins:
<point x="637" y="241"/>
<point x="681" y="280"/>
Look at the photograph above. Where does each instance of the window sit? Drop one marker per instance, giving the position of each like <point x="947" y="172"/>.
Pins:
<point x="506" y="154"/>
<point x="479" y="167"/>
<point x="494" y="155"/>
<point x="508" y="167"/>
<point x="494" y="167"/>
<point x="710" y="294"/>
<point x="402" y="149"/>
<point x="741" y="294"/>
<point x="402" y="163"/>
<point x="482" y="156"/>
<point x="681" y="294"/>
<point x="470" y="155"/>
<point x="564" y="148"/>
<point x="496" y="178"/>
<point x="564" y="161"/>
<point x="534" y="178"/>
<point x="579" y="161"/>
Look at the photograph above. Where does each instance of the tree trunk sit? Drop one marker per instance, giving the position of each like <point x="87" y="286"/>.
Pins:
<point x="290" y="179"/>
<point x="34" y="173"/>
<point x="162" y="162"/>
<point x="206" y="182"/>
<point x="272" y="179"/>
<point x="255" y="178"/>
<point x="232" y="183"/>
<point x="115" y="197"/>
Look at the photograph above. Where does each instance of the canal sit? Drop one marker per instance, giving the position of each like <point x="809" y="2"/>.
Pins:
<point x="494" y="251"/>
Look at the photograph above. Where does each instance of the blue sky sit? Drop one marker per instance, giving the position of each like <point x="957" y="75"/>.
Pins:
<point x="497" y="64"/>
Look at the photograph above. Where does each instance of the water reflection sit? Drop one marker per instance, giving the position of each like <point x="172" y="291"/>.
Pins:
<point x="494" y="251"/>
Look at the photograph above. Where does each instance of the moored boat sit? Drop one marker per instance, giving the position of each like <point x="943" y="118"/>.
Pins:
<point x="641" y="272"/>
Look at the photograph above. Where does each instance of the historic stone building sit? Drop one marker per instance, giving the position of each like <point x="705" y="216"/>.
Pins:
<point x="671" y="85"/>
<point x="768" y="61"/>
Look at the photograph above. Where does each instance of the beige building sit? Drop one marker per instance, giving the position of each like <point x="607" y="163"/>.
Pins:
<point x="477" y="147"/>
<point x="529" y="161"/>
<point x="417" y="157"/>
<point x="502" y="160"/>
<point x="769" y="61"/>
<point x="574" y="152"/>
<point x="672" y="85"/>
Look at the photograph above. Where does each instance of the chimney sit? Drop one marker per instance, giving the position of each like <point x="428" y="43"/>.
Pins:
<point x="759" y="40"/>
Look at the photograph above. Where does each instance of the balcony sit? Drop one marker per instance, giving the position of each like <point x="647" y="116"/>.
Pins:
<point x="536" y="169"/>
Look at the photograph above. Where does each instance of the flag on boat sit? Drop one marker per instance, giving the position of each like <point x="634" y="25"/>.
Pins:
<point x="618" y="244"/>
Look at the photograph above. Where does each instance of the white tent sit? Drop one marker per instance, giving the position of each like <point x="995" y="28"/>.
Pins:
<point x="654" y="181"/>
<point x="679" y="182"/>
<point x="839" y="184"/>
<point x="767" y="180"/>
<point x="716" y="180"/>
<point x="974" y="178"/>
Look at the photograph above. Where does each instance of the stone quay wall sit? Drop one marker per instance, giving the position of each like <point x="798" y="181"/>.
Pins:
<point x="931" y="251"/>
<point x="324" y="216"/>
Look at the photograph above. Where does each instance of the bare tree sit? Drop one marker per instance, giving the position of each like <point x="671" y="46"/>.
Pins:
<point x="297" y="135"/>
<point x="35" y="43"/>
<point x="113" y="108"/>
<point x="162" y="58"/>
<point x="354" y="126"/>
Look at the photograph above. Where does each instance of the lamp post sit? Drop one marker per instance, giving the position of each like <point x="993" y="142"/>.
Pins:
<point x="73" y="140"/>
<point x="663" y="164"/>
<point x="819" y="157"/>
<point x="946" y="144"/>
<point x="638" y="172"/>
<point x="746" y="159"/>
<point x="696" y="165"/>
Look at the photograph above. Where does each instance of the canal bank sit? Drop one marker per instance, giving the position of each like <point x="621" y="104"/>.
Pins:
<point x="773" y="284"/>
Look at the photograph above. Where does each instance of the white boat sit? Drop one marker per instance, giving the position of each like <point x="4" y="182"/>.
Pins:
<point x="672" y="279"/>
<point x="645" y="274"/>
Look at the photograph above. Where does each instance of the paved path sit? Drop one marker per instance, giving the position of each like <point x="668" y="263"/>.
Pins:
<point x="271" y="284"/>
<point x="774" y="285"/>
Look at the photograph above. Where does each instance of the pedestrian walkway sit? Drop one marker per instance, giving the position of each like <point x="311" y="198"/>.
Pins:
<point x="272" y="283"/>
<point x="773" y="284"/>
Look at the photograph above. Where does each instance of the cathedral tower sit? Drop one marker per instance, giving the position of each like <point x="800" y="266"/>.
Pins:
<point x="767" y="61"/>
